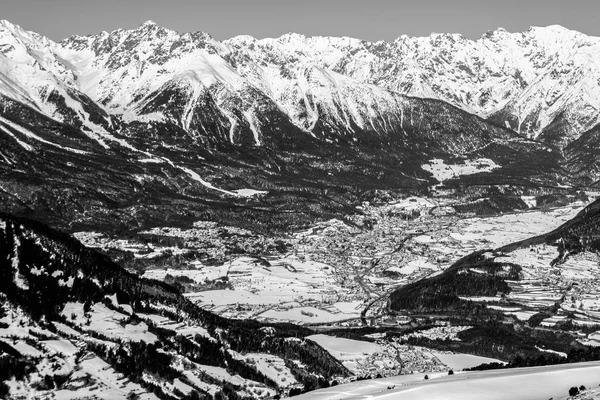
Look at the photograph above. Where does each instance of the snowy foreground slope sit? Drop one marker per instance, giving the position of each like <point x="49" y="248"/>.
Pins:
<point x="534" y="383"/>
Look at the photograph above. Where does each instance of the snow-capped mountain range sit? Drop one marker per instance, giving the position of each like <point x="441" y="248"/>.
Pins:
<point x="119" y="127"/>
<point x="533" y="82"/>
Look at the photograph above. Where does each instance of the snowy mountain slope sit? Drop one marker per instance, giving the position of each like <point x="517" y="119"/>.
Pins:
<point x="73" y="324"/>
<point x="524" y="383"/>
<point x="154" y="74"/>
<point x="583" y="159"/>
<point x="32" y="73"/>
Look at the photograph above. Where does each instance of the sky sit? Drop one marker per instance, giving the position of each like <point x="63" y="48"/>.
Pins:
<point x="370" y="20"/>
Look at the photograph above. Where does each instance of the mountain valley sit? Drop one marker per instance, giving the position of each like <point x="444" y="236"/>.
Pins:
<point x="189" y="218"/>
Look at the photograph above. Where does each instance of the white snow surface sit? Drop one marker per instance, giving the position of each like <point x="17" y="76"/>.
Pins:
<point x="458" y="362"/>
<point x="536" y="383"/>
<point x="442" y="171"/>
<point x="108" y="322"/>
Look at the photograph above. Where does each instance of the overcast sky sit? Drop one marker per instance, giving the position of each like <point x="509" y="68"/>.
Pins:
<point x="367" y="19"/>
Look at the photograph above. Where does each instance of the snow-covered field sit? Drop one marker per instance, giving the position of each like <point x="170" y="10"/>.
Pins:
<point x="109" y="384"/>
<point x="508" y="228"/>
<point x="573" y="283"/>
<point x="349" y="352"/>
<point x="534" y="383"/>
<point x="390" y="359"/>
<point x="458" y="362"/>
<point x="108" y="322"/>
<point x="442" y="171"/>
<point x="288" y="289"/>
<point x="333" y="271"/>
<point x="273" y="367"/>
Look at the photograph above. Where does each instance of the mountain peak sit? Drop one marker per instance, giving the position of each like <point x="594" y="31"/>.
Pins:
<point x="9" y="26"/>
<point x="148" y="24"/>
<point x="554" y="35"/>
<point x="292" y="36"/>
<point x="552" y="28"/>
<point x="499" y="32"/>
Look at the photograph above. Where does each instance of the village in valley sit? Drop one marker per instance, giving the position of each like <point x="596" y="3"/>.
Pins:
<point x="338" y="274"/>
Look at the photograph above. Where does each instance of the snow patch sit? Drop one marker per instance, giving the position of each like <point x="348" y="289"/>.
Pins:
<point x="33" y="136"/>
<point x="19" y="280"/>
<point x="442" y="171"/>
<point x="249" y="192"/>
<point x="20" y="142"/>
